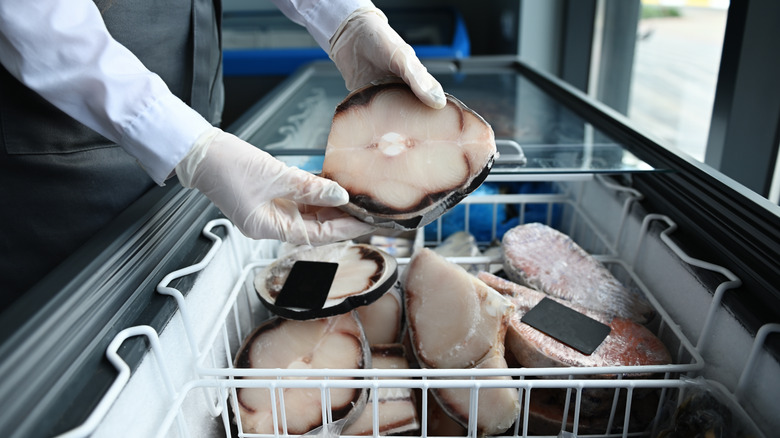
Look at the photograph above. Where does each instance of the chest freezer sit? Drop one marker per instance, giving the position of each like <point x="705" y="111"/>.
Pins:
<point x="137" y="337"/>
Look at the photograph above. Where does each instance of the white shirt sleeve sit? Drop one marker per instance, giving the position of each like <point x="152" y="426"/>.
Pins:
<point x="63" y="51"/>
<point x="321" y="18"/>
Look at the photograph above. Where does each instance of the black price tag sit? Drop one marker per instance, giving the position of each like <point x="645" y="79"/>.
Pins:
<point x="568" y="326"/>
<point x="307" y="285"/>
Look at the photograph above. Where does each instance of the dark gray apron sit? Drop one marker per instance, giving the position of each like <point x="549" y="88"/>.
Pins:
<point x="60" y="181"/>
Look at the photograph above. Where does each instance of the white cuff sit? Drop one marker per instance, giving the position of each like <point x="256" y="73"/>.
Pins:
<point x="321" y="18"/>
<point x="162" y="135"/>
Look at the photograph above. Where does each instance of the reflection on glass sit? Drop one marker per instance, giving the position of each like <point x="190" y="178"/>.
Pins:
<point x="552" y="137"/>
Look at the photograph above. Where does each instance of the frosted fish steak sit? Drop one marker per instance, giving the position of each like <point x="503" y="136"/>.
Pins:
<point x="403" y="163"/>
<point x="628" y="343"/>
<point x="542" y="258"/>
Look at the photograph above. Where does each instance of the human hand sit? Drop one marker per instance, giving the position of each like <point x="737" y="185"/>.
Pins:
<point x="365" y="48"/>
<point x="265" y="198"/>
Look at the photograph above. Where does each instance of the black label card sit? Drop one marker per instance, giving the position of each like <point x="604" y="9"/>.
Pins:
<point x="307" y="285"/>
<point x="568" y="326"/>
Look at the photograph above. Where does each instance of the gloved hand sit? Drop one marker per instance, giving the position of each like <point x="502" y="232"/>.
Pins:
<point x="365" y="48"/>
<point x="265" y="198"/>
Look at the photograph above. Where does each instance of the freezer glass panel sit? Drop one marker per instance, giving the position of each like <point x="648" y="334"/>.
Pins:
<point x="534" y="131"/>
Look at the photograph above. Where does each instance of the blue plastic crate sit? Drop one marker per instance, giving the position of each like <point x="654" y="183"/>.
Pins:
<point x="482" y="223"/>
<point x="267" y="43"/>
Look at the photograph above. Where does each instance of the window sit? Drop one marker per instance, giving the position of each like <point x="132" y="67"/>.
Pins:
<point x="699" y="76"/>
<point x="675" y="71"/>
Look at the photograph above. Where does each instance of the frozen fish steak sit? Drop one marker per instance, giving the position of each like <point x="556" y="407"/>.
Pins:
<point x="363" y="275"/>
<point x="286" y="344"/>
<point x="628" y="343"/>
<point x="403" y="163"/>
<point x="396" y="406"/>
<point x="457" y="321"/>
<point x="543" y="258"/>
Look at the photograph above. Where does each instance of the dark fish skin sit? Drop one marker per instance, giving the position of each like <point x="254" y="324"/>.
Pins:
<point x="428" y="210"/>
<point x="543" y="258"/>
<point x="366" y="290"/>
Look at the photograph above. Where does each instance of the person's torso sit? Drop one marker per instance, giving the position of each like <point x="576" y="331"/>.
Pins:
<point x="177" y="39"/>
<point x="60" y="182"/>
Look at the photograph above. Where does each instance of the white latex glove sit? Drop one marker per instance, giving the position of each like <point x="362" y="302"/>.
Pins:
<point x="365" y="48"/>
<point x="265" y="198"/>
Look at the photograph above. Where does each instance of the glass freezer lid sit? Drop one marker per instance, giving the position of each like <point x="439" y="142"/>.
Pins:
<point x="534" y="131"/>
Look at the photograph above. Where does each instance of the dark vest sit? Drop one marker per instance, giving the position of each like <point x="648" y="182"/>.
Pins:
<point x="60" y="181"/>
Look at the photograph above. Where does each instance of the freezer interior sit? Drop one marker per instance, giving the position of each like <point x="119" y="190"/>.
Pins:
<point x="558" y="167"/>
<point x="198" y="396"/>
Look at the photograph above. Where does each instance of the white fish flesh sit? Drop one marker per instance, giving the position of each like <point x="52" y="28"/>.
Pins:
<point x="457" y="321"/>
<point x="543" y="258"/>
<point x="396" y="406"/>
<point x="336" y="342"/>
<point x="403" y="163"/>
<point x="454" y="319"/>
<point x="497" y="408"/>
<point x="383" y="319"/>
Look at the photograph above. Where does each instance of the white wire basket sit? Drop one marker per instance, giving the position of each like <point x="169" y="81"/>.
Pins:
<point x="587" y="401"/>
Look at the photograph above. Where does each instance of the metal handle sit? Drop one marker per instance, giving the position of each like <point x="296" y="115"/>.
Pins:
<point x="517" y="156"/>
<point x="100" y="411"/>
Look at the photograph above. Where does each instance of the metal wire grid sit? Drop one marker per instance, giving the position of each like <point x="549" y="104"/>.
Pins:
<point x="242" y="312"/>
